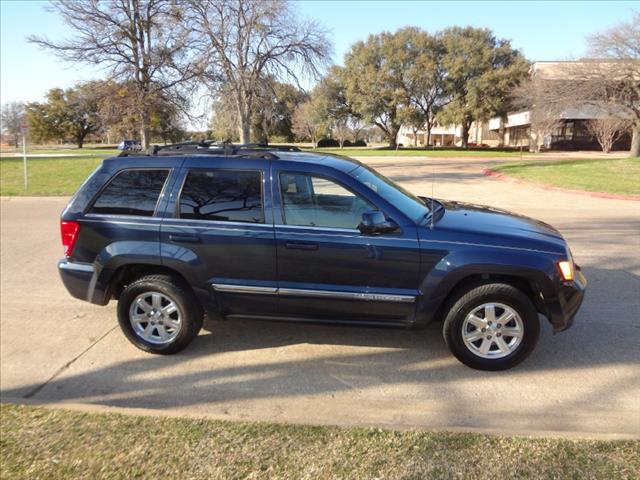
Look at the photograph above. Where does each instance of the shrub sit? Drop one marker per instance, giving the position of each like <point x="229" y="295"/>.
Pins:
<point x="328" y="143"/>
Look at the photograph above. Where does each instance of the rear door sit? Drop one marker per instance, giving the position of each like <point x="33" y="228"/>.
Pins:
<point x="219" y="233"/>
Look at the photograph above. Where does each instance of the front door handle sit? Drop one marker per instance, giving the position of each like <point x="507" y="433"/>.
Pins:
<point x="301" y="245"/>
<point x="182" y="238"/>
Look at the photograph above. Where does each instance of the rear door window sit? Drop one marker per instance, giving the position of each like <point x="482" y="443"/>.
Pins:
<point x="131" y="192"/>
<point x="222" y="195"/>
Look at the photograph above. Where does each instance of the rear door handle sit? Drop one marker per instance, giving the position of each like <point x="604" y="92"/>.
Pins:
<point x="301" y="245"/>
<point x="181" y="238"/>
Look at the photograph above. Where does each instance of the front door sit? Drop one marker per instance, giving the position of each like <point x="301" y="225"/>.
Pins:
<point x="328" y="269"/>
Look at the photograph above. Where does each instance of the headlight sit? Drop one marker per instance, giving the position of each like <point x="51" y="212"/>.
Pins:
<point x="566" y="270"/>
<point x="566" y="267"/>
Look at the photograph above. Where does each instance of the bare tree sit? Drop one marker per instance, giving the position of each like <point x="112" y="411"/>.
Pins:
<point x="341" y="130"/>
<point x="137" y="40"/>
<point x="243" y="42"/>
<point x="617" y="83"/>
<point x="13" y="116"/>
<point x="608" y="130"/>
<point x="308" y="122"/>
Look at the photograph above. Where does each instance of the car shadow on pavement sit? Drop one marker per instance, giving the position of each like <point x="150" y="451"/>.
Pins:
<point x="240" y="361"/>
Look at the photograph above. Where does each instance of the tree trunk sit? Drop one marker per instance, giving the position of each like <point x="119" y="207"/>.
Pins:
<point x="392" y="137"/>
<point x="501" y="133"/>
<point x="415" y="138"/>
<point x="80" y="142"/>
<point x="427" y="142"/>
<point x="635" y="139"/>
<point x="145" y="129"/>
<point x="244" y="129"/>
<point x="466" y="126"/>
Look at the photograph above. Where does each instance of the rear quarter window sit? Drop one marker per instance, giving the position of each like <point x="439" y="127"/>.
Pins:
<point x="131" y="192"/>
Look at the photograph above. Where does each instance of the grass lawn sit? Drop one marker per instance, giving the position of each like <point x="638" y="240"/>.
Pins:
<point x="47" y="175"/>
<point x="414" y="152"/>
<point x="621" y="175"/>
<point x="53" y="444"/>
<point x="59" y="151"/>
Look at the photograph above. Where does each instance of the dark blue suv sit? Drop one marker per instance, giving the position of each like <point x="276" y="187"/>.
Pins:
<point x="279" y="234"/>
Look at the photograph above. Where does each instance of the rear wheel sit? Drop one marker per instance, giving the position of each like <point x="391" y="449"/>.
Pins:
<point x="491" y="327"/>
<point x="159" y="314"/>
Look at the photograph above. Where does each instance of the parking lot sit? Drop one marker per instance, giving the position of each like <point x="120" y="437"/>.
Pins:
<point x="584" y="381"/>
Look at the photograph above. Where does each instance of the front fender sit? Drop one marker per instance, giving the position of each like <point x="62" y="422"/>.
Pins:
<point x="535" y="268"/>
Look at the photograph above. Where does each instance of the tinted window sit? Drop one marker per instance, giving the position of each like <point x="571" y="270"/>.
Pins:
<point x="131" y="192"/>
<point x="318" y="202"/>
<point x="223" y="195"/>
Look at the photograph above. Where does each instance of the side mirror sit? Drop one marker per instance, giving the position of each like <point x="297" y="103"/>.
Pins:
<point x="374" y="222"/>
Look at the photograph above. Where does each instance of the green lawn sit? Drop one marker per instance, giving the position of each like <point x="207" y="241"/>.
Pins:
<point x="56" y="444"/>
<point x="621" y="175"/>
<point x="87" y="151"/>
<point x="415" y="152"/>
<point x="47" y="175"/>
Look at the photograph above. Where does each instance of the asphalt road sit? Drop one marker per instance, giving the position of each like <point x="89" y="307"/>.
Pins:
<point x="585" y="381"/>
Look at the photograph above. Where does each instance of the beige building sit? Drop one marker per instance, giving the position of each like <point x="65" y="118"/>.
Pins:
<point x="569" y="133"/>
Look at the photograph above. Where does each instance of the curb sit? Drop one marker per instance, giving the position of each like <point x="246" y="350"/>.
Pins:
<point x="164" y="413"/>
<point x="611" y="196"/>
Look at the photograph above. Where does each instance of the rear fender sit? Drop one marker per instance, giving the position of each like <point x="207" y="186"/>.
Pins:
<point x="114" y="256"/>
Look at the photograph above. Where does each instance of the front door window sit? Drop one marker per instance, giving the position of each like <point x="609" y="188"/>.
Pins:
<point x="318" y="202"/>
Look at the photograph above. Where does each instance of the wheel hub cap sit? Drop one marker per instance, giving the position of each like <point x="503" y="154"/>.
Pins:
<point x="155" y="318"/>
<point x="492" y="330"/>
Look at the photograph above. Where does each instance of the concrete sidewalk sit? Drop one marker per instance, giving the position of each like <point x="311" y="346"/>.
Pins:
<point x="584" y="381"/>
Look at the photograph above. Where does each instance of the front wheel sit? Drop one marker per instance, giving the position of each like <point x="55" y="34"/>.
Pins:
<point x="491" y="327"/>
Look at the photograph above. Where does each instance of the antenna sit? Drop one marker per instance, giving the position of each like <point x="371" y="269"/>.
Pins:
<point x="433" y="176"/>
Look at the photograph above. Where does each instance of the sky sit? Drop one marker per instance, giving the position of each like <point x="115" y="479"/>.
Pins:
<point x="553" y="30"/>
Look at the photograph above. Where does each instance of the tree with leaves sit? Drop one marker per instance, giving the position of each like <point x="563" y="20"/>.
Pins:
<point x="373" y="78"/>
<point x="331" y="99"/>
<point x="480" y="72"/>
<point x="12" y="119"/>
<point x="137" y="40"/>
<point x="66" y="114"/>
<point x="424" y="81"/>
<point x="243" y="43"/>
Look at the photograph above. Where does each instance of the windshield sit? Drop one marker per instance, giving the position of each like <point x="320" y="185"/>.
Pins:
<point x="393" y="193"/>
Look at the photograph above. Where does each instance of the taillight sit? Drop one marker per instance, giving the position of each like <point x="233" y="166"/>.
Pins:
<point x="69" y="232"/>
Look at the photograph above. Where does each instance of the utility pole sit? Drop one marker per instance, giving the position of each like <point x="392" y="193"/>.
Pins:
<point x="23" y="128"/>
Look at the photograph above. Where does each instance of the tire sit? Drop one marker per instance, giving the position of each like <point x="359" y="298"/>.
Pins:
<point x="170" y="332"/>
<point x="471" y="311"/>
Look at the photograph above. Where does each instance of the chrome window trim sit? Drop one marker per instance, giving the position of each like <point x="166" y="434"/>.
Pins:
<point x="301" y="292"/>
<point x="309" y="227"/>
<point x="169" y="220"/>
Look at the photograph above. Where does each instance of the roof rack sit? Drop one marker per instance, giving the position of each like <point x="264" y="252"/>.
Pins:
<point x="210" y="147"/>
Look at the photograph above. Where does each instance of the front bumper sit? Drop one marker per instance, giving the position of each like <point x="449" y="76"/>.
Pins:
<point x="563" y="308"/>
<point x="76" y="277"/>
